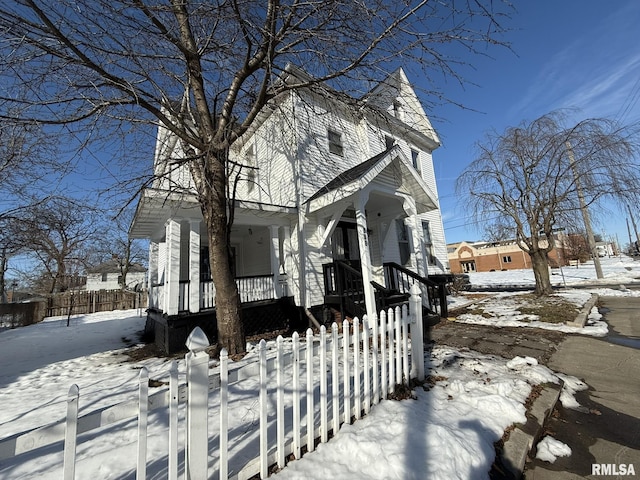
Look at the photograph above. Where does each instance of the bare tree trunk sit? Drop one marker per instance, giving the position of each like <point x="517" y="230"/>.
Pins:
<point x="214" y="210"/>
<point x="540" y="265"/>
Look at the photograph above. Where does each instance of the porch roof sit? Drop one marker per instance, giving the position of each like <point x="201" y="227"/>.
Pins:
<point x="362" y="175"/>
<point x="156" y="206"/>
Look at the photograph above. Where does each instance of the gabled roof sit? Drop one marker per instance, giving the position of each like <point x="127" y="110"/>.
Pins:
<point x="350" y="175"/>
<point x="358" y="178"/>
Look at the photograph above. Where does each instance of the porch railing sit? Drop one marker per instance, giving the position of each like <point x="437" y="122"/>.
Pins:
<point x="155" y="296"/>
<point x="342" y="280"/>
<point x="401" y="279"/>
<point x="251" y="289"/>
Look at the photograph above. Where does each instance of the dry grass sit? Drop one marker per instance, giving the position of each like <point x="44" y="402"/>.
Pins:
<point x="549" y="309"/>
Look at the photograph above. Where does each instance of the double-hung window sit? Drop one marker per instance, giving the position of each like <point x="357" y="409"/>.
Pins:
<point x="335" y="142"/>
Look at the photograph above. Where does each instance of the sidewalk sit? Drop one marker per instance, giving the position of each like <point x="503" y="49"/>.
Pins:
<point x="606" y="430"/>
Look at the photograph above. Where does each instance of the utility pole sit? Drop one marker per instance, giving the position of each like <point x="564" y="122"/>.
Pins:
<point x="585" y="214"/>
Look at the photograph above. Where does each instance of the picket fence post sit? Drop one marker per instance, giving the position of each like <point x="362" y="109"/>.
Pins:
<point x="143" y="408"/>
<point x="197" y="361"/>
<point x="357" y="398"/>
<point x="324" y="429"/>
<point x="264" y="464"/>
<point x="392" y="351"/>
<point x="376" y="339"/>
<point x="173" y="421"/>
<point x="335" y="378"/>
<point x="280" y="401"/>
<point x="417" y="345"/>
<point x="71" y="430"/>
<point x="367" y="365"/>
<point x="405" y="344"/>
<point x="398" y="336"/>
<point x="297" y="437"/>
<point x="224" y="415"/>
<point x="310" y="412"/>
<point x="346" y="377"/>
<point x="384" y="384"/>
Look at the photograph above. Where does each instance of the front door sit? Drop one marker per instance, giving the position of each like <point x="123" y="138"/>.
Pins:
<point x="344" y="244"/>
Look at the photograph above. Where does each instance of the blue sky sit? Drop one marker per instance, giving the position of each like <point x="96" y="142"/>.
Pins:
<point x="566" y="54"/>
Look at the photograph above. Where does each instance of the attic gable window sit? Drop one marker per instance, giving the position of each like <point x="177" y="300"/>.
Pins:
<point x="335" y="142"/>
<point x="397" y="110"/>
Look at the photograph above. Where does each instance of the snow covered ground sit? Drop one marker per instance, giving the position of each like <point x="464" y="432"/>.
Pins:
<point x="447" y="431"/>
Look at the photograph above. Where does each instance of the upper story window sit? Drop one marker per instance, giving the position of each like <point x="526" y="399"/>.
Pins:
<point x="415" y="159"/>
<point x="428" y="242"/>
<point x="335" y="142"/>
<point x="250" y="160"/>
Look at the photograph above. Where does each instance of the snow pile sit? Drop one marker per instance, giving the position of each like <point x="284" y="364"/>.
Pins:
<point x="549" y="449"/>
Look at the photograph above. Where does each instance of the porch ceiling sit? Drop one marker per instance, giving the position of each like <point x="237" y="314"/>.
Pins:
<point x="364" y="175"/>
<point x="156" y="207"/>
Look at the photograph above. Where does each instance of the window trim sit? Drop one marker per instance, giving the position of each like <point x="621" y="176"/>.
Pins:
<point x="334" y="140"/>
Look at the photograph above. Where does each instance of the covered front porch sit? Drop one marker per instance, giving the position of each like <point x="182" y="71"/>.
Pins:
<point x="372" y="237"/>
<point x="179" y="265"/>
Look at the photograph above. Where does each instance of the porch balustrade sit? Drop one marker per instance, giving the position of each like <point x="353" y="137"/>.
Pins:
<point x="156" y="296"/>
<point x="251" y="289"/>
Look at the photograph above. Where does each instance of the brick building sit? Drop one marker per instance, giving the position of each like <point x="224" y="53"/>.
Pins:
<point x="465" y="257"/>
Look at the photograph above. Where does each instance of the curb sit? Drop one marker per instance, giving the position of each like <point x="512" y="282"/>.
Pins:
<point x="581" y="319"/>
<point x="523" y="437"/>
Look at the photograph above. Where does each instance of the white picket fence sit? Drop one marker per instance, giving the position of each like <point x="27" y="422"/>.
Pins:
<point x="330" y="378"/>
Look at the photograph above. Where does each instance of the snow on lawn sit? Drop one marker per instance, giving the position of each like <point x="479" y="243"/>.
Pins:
<point x="447" y="431"/>
<point x="502" y="309"/>
<point x="617" y="270"/>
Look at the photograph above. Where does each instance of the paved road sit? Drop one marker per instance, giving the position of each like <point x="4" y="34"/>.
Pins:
<point x="607" y="429"/>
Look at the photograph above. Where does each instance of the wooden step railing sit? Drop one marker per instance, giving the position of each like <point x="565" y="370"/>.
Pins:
<point x="399" y="278"/>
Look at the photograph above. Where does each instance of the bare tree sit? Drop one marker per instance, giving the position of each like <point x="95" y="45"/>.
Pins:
<point x="204" y="70"/>
<point x="575" y="246"/>
<point x="56" y="234"/>
<point x="115" y="244"/>
<point x="527" y="177"/>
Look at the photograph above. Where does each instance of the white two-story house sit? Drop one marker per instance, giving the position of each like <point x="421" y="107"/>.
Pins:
<point x="336" y="210"/>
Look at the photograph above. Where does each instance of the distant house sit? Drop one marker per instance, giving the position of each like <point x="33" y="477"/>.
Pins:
<point x="336" y="207"/>
<point x="108" y="276"/>
<point x="465" y="257"/>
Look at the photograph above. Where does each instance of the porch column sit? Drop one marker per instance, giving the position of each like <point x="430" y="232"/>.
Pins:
<point x="172" y="269"/>
<point x="194" y="266"/>
<point x="365" y="255"/>
<point x="153" y="274"/>
<point x="288" y="261"/>
<point x="153" y="263"/>
<point x="274" y="248"/>
<point x="415" y="225"/>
